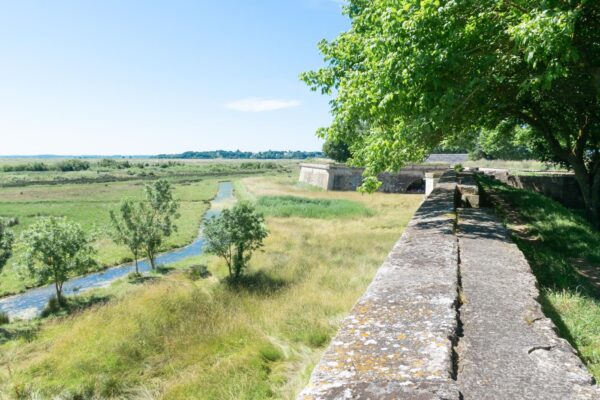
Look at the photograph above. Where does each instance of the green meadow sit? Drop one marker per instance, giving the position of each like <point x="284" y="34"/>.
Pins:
<point x="178" y="336"/>
<point x="89" y="203"/>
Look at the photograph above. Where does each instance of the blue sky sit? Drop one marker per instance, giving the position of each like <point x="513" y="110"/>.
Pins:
<point x="147" y="77"/>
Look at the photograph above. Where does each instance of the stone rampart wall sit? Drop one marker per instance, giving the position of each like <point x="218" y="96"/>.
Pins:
<point x="451" y="314"/>
<point x="560" y="187"/>
<point x="397" y="341"/>
<point x="340" y="177"/>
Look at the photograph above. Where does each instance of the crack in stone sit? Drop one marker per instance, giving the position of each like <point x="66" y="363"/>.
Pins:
<point x="536" y="348"/>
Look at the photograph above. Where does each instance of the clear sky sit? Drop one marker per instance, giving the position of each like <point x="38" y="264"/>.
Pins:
<point x="149" y="76"/>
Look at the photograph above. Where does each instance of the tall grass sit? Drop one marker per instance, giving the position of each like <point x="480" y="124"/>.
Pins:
<point x="563" y="250"/>
<point x="294" y="206"/>
<point x="179" y="338"/>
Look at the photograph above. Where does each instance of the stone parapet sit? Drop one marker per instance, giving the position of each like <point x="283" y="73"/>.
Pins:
<point x="397" y="341"/>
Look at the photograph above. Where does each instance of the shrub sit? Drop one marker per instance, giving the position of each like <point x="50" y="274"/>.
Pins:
<point x="198" y="272"/>
<point x="4" y="319"/>
<point x="9" y="221"/>
<point x="32" y="167"/>
<point x="54" y="306"/>
<point x="72" y="165"/>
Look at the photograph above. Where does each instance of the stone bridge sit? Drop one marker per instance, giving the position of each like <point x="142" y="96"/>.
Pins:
<point x="451" y="314"/>
<point x="341" y="177"/>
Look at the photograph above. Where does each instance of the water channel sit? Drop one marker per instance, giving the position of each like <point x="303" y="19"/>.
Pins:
<point x="30" y="303"/>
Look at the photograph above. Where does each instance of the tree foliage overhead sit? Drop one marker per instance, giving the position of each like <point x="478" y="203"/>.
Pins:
<point x="422" y="72"/>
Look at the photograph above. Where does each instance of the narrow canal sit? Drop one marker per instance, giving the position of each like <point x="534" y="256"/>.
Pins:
<point x="30" y="303"/>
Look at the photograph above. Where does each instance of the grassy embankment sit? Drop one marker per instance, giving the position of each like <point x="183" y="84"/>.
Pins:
<point x="564" y="253"/>
<point x="179" y="338"/>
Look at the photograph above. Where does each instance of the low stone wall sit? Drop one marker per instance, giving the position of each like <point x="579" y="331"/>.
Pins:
<point x="560" y="187"/>
<point x="397" y="341"/>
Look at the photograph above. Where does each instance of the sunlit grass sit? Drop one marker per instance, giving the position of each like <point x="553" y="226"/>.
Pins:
<point x="294" y="206"/>
<point x="89" y="205"/>
<point x="177" y="338"/>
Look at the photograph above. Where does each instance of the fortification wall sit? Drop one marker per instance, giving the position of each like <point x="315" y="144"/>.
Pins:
<point x="397" y="340"/>
<point x="340" y="177"/>
<point x="560" y="187"/>
<point x="451" y="314"/>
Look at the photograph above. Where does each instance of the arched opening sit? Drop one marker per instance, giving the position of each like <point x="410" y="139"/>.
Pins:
<point x="417" y="186"/>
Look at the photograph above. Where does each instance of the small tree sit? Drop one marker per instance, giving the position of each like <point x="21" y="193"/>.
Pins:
<point x="54" y="249"/>
<point x="156" y="217"/>
<point x="128" y="228"/>
<point x="6" y="242"/>
<point x="234" y="235"/>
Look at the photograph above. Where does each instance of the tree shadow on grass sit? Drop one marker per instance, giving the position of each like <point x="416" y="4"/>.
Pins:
<point x="72" y="304"/>
<point x="26" y="330"/>
<point x="258" y="283"/>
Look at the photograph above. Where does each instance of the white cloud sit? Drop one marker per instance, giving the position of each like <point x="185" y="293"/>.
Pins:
<point x="256" y="104"/>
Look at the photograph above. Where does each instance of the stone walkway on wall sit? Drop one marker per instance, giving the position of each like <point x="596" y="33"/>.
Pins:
<point x="452" y="314"/>
<point x="508" y="348"/>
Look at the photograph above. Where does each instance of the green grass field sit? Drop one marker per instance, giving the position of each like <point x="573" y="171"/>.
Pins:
<point x="294" y="206"/>
<point x="134" y="169"/>
<point x="90" y="203"/>
<point x="173" y="337"/>
<point x="564" y="253"/>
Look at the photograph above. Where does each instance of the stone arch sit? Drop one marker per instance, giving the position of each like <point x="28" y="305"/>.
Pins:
<point x="416" y="186"/>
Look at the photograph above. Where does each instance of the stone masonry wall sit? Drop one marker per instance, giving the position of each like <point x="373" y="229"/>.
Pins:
<point x="452" y="314"/>
<point x="560" y="187"/>
<point x="397" y="340"/>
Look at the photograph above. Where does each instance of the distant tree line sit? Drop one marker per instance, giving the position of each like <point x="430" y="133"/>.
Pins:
<point x="242" y="155"/>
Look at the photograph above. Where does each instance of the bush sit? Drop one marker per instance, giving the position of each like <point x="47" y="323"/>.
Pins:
<point x="72" y="165"/>
<point x="198" y="272"/>
<point x="55" y="305"/>
<point x="32" y="167"/>
<point x="4" y="319"/>
<point x="9" y="221"/>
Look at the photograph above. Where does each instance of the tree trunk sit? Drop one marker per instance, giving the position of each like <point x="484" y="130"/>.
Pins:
<point x="58" y="288"/>
<point x="152" y="261"/>
<point x="589" y="183"/>
<point x="137" y="271"/>
<point x="239" y="260"/>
